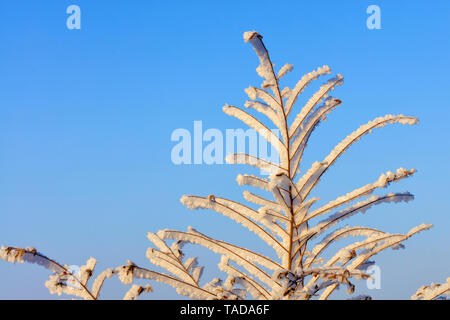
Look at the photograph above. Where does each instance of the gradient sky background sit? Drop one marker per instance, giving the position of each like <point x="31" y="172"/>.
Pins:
<point x="86" y="117"/>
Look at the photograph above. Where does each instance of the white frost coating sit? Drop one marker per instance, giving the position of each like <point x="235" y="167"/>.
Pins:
<point x="190" y="263"/>
<point x="361" y="206"/>
<point x="419" y="228"/>
<point x="125" y="273"/>
<point x="249" y="180"/>
<point x="265" y="69"/>
<point x="259" y="127"/>
<point x="271" y="107"/>
<point x="266" y="110"/>
<point x="86" y="270"/>
<point x="301" y="137"/>
<point x="349" y="252"/>
<point x="251" y="288"/>
<point x="170" y="263"/>
<point x="225" y="290"/>
<point x="176" y="248"/>
<point x="261" y="201"/>
<point x="249" y="34"/>
<point x="241" y="256"/>
<point x="135" y="291"/>
<point x="100" y="279"/>
<point x="30" y="255"/>
<point x="252" y="93"/>
<point x="158" y="242"/>
<point x="284" y="70"/>
<point x="239" y="278"/>
<point x="388" y="242"/>
<point x="197" y="273"/>
<point x="62" y="281"/>
<point x="281" y="180"/>
<point x="337" y="235"/>
<point x="242" y="158"/>
<point x="308" y="178"/>
<point x="302" y="84"/>
<point x="181" y="287"/>
<point x="270" y="211"/>
<point x="321" y="94"/>
<point x="314" y="175"/>
<point x="302" y="210"/>
<point x="279" y="185"/>
<point x="192" y="235"/>
<point x="172" y="260"/>
<point x="364" y="129"/>
<point x="311" y="289"/>
<point x="339" y="275"/>
<point x="311" y="121"/>
<point x="383" y="181"/>
<point x="286" y="92"/>
<point x="272" y="215"/>
<point x="239" y="213"/>
<point x="433" y="291"/>
<point x="56" y="286"/>
<point x="256" y="93"/>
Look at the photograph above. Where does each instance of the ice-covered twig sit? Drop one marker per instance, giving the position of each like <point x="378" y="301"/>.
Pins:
<point x="433" y="291"/>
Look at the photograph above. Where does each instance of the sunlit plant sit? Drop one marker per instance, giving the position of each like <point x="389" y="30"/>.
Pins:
<point x="286" y="218"/>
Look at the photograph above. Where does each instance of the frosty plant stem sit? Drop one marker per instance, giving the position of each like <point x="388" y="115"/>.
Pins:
<point x="285" y="217"/>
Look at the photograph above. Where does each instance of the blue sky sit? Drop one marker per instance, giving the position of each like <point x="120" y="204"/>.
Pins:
<point x="86" y="117"/>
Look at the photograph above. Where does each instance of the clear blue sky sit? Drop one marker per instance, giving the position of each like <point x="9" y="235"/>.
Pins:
<point x="86" y="117"/>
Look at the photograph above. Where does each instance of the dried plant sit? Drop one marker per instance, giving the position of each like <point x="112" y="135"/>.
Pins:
<point x="434" y="291"/>
<point x="284" y="220"/>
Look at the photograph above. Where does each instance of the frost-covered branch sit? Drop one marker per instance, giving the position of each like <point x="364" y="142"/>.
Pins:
<point x="318" y="169"/>
<point x="383" y="181"/>
<point x="282" y="215"/>
<point x="374" y="248"/>
<point x="62" y="280"/>
<point x="433" y="291"/>
<point x="287" y="213"/>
